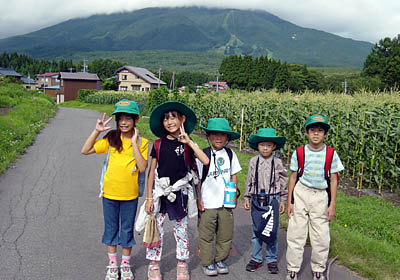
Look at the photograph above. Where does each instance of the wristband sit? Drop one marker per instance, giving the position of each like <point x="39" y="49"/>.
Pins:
<point x="148" y="198"/>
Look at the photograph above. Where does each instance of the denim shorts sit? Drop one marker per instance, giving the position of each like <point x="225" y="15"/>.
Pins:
<point x="119" y="220"/>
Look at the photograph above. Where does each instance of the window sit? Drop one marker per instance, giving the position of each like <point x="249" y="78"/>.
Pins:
<point x="123" y="88"/>
<point x="124" y="77"/>
<point x="47" y="79"/>
<point x="147" y="89"/>
<point x="136" y="87"/>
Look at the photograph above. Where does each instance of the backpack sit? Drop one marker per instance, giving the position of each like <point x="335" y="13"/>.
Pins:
<point x="141" y="176"/>
<point x="207" y="151"/>
<point x="328" y="164"/>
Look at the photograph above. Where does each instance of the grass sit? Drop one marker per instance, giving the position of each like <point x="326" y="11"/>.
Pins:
<point x="365" y="234"/>
<point x="29" y="113"/>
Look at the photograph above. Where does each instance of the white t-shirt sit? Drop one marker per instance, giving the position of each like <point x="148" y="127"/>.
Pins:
<point x="213" y="187"/>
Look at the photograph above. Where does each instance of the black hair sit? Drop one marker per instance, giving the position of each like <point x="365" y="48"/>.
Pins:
<point x="321" y="125"/>
<point x="114" y="136"/>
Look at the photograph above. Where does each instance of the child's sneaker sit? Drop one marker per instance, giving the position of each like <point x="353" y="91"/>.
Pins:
<point x="210" y="270"/>
<point x="182" y="272"/>
<point x="318" y="276"/>
<point x="291" y="275"/>
<point x="126" y="272"/>
<point x="112" y="272"/>
<point x="253" y="266"/>
<point x="222" y="268"/>
<point x="273" y="267"/>
<point x="153" y="273"/>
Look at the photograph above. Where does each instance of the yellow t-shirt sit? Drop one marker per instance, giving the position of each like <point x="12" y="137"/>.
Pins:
<point x="120" y="183"/>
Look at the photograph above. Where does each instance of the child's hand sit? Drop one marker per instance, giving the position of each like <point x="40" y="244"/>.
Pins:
<point x="149" y="206"/>
<point x="281" y="208"/>
<point x="200" y="205"/>
<point x="135" y="135"/>
<point x="290" y="209"/>
<point x="331" y="213"/>
<point x="183" y="137"/>
<point x="101" y="124"/>
<point x="246" y="205"/>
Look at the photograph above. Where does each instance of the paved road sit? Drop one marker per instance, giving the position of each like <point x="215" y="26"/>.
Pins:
<point x="51" y="217"/>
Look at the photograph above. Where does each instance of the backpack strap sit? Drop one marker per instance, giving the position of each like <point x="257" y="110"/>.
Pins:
<point x="230" y="154"/>
<point x="157" y="145"/>
<point x="206" y="168"/>
<point x="300" y="153"/>
<point x="256" y="175"/>
<point x="328" y="164"/>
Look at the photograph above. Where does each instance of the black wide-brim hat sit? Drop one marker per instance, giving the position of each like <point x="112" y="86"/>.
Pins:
<point x="156" y="123"/>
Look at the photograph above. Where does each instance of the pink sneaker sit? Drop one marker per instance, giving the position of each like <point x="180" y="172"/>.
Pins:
<point x="153" y="272"/>
<point x="182" y="272"/>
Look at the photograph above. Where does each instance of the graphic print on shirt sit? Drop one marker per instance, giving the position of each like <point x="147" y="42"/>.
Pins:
<point x="179" y="150"/>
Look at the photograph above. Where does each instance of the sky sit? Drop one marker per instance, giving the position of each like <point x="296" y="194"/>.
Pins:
<point x="365" y="20"/>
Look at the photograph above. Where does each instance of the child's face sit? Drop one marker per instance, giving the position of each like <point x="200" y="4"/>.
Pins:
<point x="173" y="121"/>
<point x="266" y="148"/>
<point x="126" y="123"/>
<point x="218" y="140"/>
<point x="316" y="135"/>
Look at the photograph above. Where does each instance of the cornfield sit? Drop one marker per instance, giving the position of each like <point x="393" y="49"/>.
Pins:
<point x="364" y="127"/>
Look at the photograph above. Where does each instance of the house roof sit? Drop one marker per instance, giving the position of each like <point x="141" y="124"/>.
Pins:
<point x="142" y="73"/>
<point x="220" y="84"/>
<point x="28" y="80"/>
<point x="78" y="76"/>
<point x="48" y="74"/>
<point x="9" y="72"/>
<point x="52" y="87"/>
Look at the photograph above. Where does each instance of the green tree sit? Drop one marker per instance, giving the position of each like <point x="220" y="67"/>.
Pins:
<point x="384" y="62"/>
<point x="282" y="78"/>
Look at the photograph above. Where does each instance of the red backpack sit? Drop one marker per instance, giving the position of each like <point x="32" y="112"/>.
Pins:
<point x="328" y="163"/>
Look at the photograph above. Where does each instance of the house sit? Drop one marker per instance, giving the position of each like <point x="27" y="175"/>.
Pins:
<point x="29" y="83"/>
<point x="137" y="79"/>
<point x="47" y="79"/>
<point x="51" y="91"/>
<point x="212" y="85"/>
<point x="71" y="83"/>
<point x="7" y="72"/>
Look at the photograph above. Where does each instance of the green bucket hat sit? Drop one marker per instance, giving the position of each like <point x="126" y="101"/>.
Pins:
<point x="220" y="125"/>
<point x="155" y="122"/>
<point x="266" y="135"/>
<point x="126" y="106"/>
<point x="319" y="119"/>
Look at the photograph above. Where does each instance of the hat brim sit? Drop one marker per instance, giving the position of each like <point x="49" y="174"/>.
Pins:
<point x="155" y="117"/>
<point x="327" y="126"/>
<point x="231" y="134"/>
<point x="255" y="139"/>
<point x="120" y="111"/>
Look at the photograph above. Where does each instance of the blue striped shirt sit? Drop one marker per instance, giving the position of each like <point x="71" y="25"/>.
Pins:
<point x="314" y="167"/>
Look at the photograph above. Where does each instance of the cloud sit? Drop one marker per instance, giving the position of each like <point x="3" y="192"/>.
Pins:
<point x="366" y="20"/>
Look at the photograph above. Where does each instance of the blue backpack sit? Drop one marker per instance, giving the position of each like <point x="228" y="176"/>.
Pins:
<point x="141" y="177"/>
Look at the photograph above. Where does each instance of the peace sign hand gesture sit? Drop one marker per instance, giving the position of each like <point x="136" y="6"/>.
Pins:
<point x="183" y="137"/>
<point x="101" y="125"/>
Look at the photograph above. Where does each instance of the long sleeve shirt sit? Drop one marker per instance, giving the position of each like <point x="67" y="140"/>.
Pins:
<point x="264" y="175"/>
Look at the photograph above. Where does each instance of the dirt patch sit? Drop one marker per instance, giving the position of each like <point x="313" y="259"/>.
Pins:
<point x="4" y="110"/>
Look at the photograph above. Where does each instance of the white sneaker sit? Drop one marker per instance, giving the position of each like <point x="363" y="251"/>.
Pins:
<point x="126" y="272"/>
<point x="112" y="272"/>
<point x="318" y="276"/>
<point x="291" y="275"/>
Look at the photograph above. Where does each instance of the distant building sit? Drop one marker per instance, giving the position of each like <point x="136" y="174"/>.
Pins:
<point x="29" y="83"/>
<point x="212" y="85"/>
<point x="71" y="83"/>
<point x="47" y="79"/>
<point x="51" y="91"/>
<point x="8" y="72"/>
<point x="136" y="79"/>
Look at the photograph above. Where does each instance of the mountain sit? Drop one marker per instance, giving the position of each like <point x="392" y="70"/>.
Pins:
<point x="190" y="29"/>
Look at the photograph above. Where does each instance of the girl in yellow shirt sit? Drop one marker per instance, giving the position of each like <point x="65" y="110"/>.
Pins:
<point x="126" y="158"/>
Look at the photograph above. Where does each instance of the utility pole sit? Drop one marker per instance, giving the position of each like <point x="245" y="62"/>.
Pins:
<point x="344" y="84"/>
<point x="84" y="64"/>
<point x="159" y="75"/>
<point x="218" y="74"/>
<point x="172" y="84"/>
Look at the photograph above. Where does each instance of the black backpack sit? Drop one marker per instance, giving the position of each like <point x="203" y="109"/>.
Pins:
<point x="207" y="151"/>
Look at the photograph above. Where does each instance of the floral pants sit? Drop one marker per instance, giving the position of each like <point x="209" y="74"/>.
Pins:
<point x="181" y="238"/>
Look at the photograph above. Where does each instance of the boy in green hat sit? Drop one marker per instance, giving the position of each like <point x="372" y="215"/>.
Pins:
<point x="168" y="180"/>
<point x="315" y="168"/>
<point x="126" y="157"/>
<point x="266" y="181"/>
<point x="214" y="218"/>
